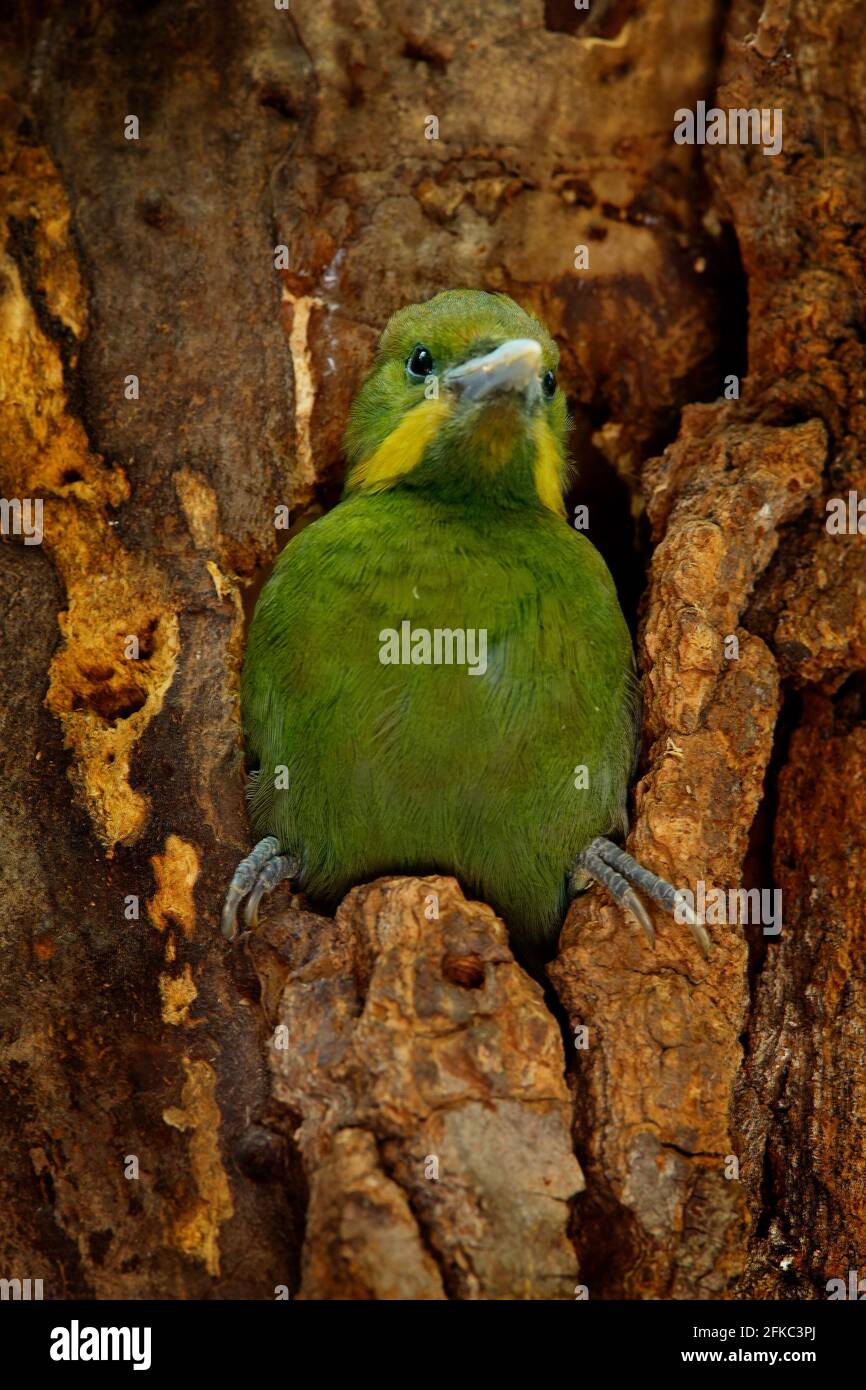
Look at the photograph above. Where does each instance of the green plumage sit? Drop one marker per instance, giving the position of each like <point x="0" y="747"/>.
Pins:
<point x="411" y="768"/>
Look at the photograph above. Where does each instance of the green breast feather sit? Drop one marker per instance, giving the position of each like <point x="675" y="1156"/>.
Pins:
<point x="394" y="767"/>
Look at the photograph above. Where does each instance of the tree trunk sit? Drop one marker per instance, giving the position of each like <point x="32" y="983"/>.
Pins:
<point x="380" y="1106"/>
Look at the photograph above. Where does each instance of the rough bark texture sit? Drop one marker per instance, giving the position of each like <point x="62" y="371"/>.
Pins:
<point x="419" y="1136"/>
<point x="419" y="1074"/>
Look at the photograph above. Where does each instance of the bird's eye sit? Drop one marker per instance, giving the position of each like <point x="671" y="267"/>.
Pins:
<point x="548" y="384"/>
<point x="420" y="363"/>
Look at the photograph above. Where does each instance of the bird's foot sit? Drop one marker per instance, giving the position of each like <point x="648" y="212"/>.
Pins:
<point x="613" y="867"/>
<point x="256" y="875"/>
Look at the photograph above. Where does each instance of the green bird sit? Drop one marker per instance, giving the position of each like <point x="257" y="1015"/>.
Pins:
<point x="438" y="674"/>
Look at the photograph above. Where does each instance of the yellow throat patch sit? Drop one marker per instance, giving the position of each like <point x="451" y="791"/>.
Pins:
<point x="549" y="468"/>
<point x="403" y="449"/>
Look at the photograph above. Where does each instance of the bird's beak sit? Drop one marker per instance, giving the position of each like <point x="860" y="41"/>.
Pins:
<point x="513" y="366"/>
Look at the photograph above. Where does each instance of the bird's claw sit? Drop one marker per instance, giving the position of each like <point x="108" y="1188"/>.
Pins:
<point x="618" y="870"/>
<point x="278" y="870"/>
<point x="696" y="927"/>
<point x="633" y="904"/>
<point x="259" y="873"/>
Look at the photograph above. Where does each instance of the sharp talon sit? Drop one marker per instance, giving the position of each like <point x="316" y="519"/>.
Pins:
<point x="229" y="913"/>
<point x="243" y="879"/>
<point x="604" y="855"/>
<point x="618" y="888"/>
<point x="696" y="928"/>
<point x="251" y="910"/>
<point x="633" y="904"/>
<point x="702" y="937"/>
<point x="276" y="871"/>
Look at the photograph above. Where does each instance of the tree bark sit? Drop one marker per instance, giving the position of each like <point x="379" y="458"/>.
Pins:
<point x="382" y="1106"/>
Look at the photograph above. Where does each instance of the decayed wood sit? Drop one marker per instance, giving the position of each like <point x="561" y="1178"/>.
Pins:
<point x="413" y="1038"/>
<point x="419" y="1074"/>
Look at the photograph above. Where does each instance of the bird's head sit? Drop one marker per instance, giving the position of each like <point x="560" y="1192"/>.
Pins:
<point x="462" y="402"/>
